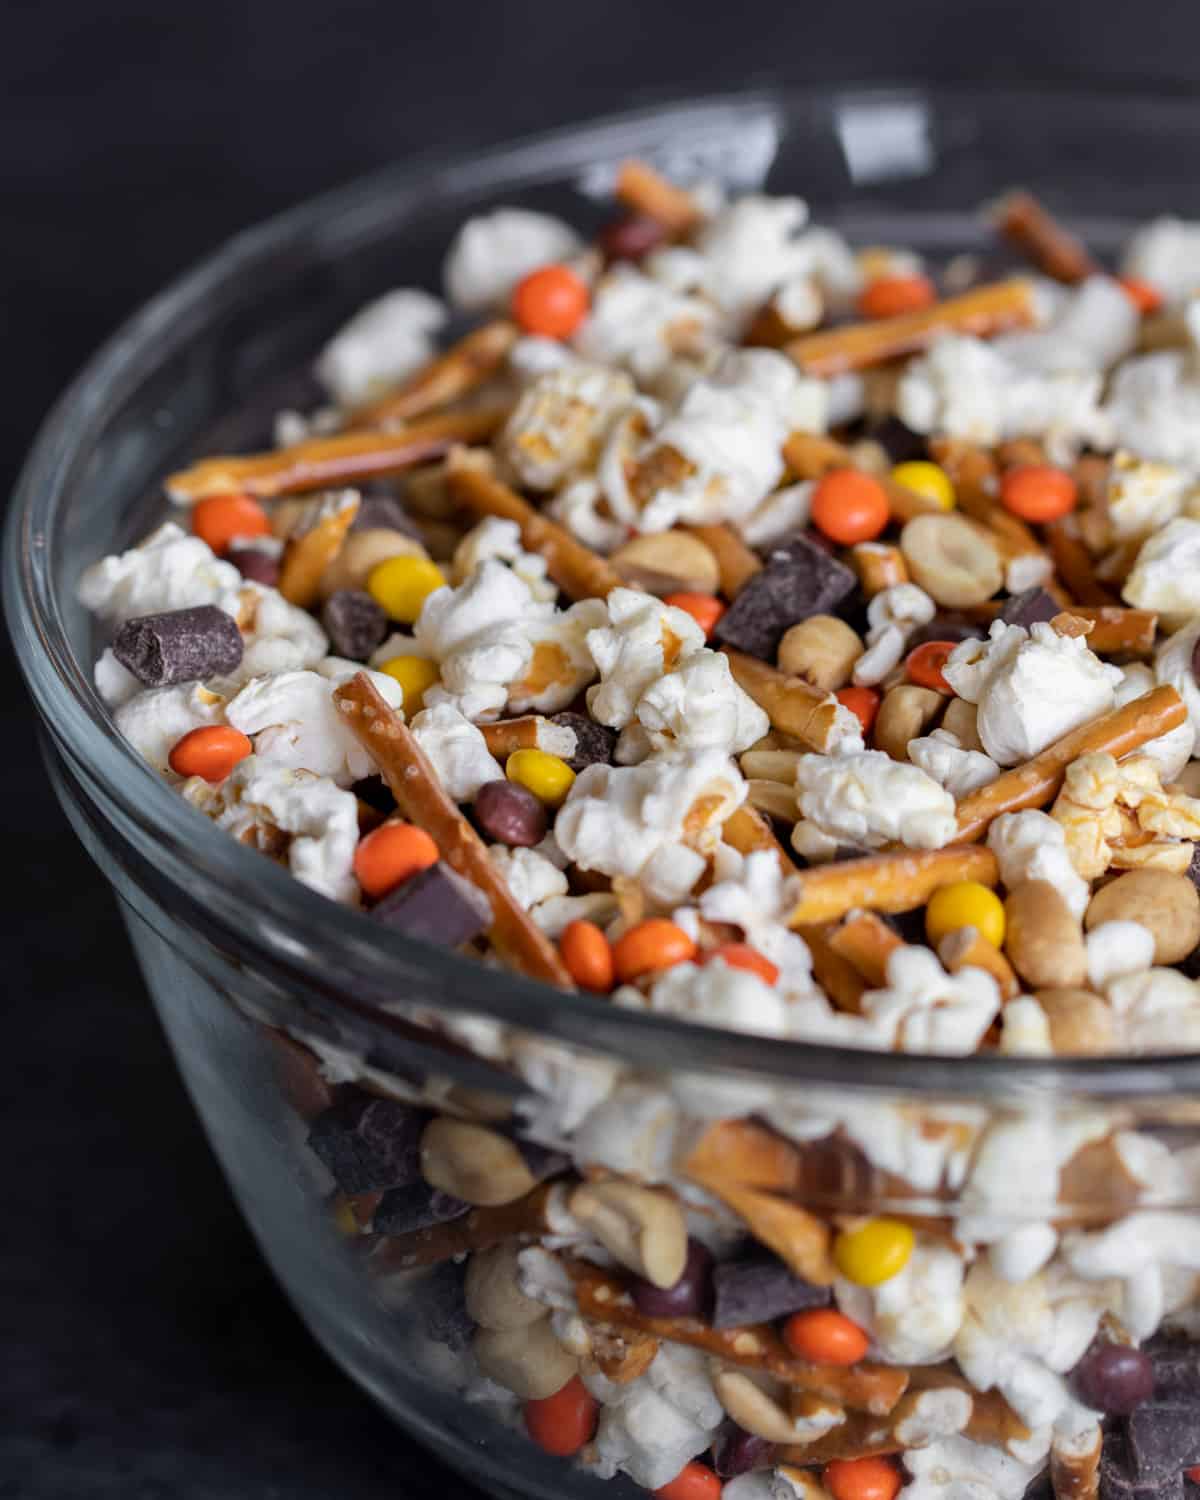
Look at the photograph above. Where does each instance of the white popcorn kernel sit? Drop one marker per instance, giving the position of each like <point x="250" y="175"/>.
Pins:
<point x="633" y="1131"/>
<point x="492" y="252"/>
<point x="155" y="720"/>
<point x="643" y="640"/>
<point x="865" y="797"/>
<point x="1137" y="1250"/>
<point x="384" y="341"/>
<point x="1026" y="1029"/>
<point x="529" y="875"/>
<point x="1116" y="949"/>
<point x="501" y="539"/>
<point x="560" y="662"/>
<point x="1143" y="496"/>
<point x="799" y="303"/>
<point x="561" y="421"/>
<point x="1027" y="571"/>
<point x="1090" y="327"/>
<point x="892" y="615"/>
<point x="652" y="1426"/>
<point x="457" y="750"/>
<point x="924" y="1009"/>
<point x="912" y="1317"/>
<point x="169" y="570"/>
<point x="1166" y="253"/>
<point x="960" y="771"/>
<point x="580" y="507"/>
<point x="1030" y="845"/>
<point x="276" y="636"/>
<point x="781" y="513"/>
<point x="1023" y="1251"/>
<point x="1157" y="1010"/>
<point x="714" y="995"/>
<point x="699" y="706"/>
<point x="1173" y="666"/>
<point x="1166" y="574"/>
<point x="644" y="324"/>
<point x="750" y="249"/>
<point x="1153" y="409"/>
<point x="958" y="1469"/>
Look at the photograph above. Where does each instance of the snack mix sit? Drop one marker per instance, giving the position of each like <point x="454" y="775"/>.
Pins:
<point x="785" y="638"/>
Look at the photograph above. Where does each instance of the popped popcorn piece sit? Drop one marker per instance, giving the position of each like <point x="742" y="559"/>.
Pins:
<point x="560" y="663"/>
<point x="383" y="342"/>
<point x="752" y="892"/>
<point x="561" y="421"/>
<point x="914" y="1316"/>
<point x="942" y="756"/>
<point x="1032" y="687"/>
<point x="1143" y="495"/>
<point x="955" y="1468"/>
<point x="1140" y="1251"/>
<point x="276" y="636"/>
<point x="1166" y="253"/>
<point x="713" y="995"/>
<point x="1166" y="575"/>
<point x="1119" y="815"/>
<point x="1026" y="1029"/>
<point x="457" y="749"/>
<point x="555" y="915"/>
<point x="492" y="252"/>
<point x="865" y="797"/>
<point x="634" y="1130"/>
<point x="496" y="537"/>
<point x="642" y="641"/>
<point x="171" y="569"/>
<point x="1115" y="950"/>
<point x="800" y="303"/>
<point x="924" y="1009"/>
<point x="1157" y="1010"/>
<point x="156" y="719"/>
<point x="1170" y="752"/>
<point x="531" y="877"/>
<point x="1173" y="666"/>
<point x="645" y="325"/>
<point x="581" y="507"/>
<point x="750" y="250"/>
<point x="1030" y="845"/>
<point x="1153" y="408"/>
<point x="1090" y="327"/>
<point x="699" y="706"/>
<point x="892" y="615"/>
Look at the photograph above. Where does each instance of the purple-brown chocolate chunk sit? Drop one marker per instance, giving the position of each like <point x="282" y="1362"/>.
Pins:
<point x="759" y="1289"/>
<point x="1113" y="1378"/>
<point x="354" y="623"/>
<point x="689" y="1297"/>
<point x="1030" y="607"/>
<point x="631" y="237"/>
<point x="370" y="1144"/>
<point x="1176" y="1361"/>
<point x="737" y="1451"/>
<point x="255" y="564"/>
<point x="900" y="442"/>
<point x="1118" y="1483"/>
<point x="436" y="906"/>
<point x="402" y="1210"/>
<point x="382" y="512"/>
<point x="954" y="628"/>
<point x="798" y="580"/>
<point x="594" y="743"/>
<point x="1162" y="1441"/>
<point x="1196" y="661"/>
<point x="441" y="1301"/>
<point x="182" y="645"/>
<point x="509" y="813"/>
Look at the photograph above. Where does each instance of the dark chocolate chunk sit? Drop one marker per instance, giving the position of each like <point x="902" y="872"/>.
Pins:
<point x="509" y="813"/>
<point x="1162" y="1441"/>
<point x="1040" y="1488"/>
<point x="954" y="628"/>
<point x="1176" y="1361"/>
<point x="1193" y="869"/>
<point x="798" y="580"/>
<point x="436" y="906"/>
<point x="370" y="1144"/>
<point x="758" y="1289"/>
<point x="901" y="443"/>
<point x="417" y="1206"/>
<point x="181" y="645"/>
<point x="376" y="793"/>
<point x="354" y="623"/>
<point x="442" y="1305"/>
<point x="1113" y="1377"/>
<point x="1196" y="661"/>
<point x="1117" y="1481"/>
<point x="255" y="564"/>
<point x="381" y="511"/>
<point x="689" y="1297"/>
<point x="594" y="743"/>
<point x="737" y="1451"/>
<point x="631" y="237"/>
<point x="1030" y="607"/>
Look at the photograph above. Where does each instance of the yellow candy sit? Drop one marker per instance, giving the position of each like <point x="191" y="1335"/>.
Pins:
<point x="965" y="903"/>
<point x="400" y="585"/>
<point x="546" y="776"/>
<point x="415" y="674"/>
<point x="926" y="479"/>
<point x="344" y="1220"/>
<point x="873" y="1253"/>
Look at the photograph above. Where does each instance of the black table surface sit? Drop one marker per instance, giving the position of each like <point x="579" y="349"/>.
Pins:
<point x="147" y="1351"/>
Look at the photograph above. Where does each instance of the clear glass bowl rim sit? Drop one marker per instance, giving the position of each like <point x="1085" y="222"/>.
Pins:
<point x="300" y="937"/>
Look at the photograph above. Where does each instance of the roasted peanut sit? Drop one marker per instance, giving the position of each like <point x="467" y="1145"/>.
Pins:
<point x="643" y="1229"/>
<point x="529" y="1362"/>
<point x="493" y="1295"/>
<point x="952" y="560"/>
<point x="906" y="712"/>
<point x="1167" y="905"/>
<point x="773" y="798"/>
<point x="822" y="650"/>
<point x="1044" y="941"/>
<point x="1080" y="1023"/>
<point x="770" y="765"/>
<point x="961" y="719"/>
<point x="879" y="566"/>
<point x="473" y="1163"/>
<point x="666" y="562"/>
<point x="359" y="554"/>
<point x="753" y="1407"/>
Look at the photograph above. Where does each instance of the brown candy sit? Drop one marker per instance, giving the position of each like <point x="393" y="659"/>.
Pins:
<point x="510" y="814"/>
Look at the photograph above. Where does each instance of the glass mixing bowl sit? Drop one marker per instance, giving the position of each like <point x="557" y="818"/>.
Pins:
<point x="239" y="957"/>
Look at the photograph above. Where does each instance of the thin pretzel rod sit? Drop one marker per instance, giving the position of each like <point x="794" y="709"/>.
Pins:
<point x="579" y="572"/>
<point x="793" y="706"/>
<point x="866" y="941"/>
<point x="967" y="948"/>
<point x="325" y="463"/>
<point x="526" y="733"/>
<point x="1116" y="629"/>
<point x="1074" y="564"/>
<point x="602" y="1298"/>
<point x="419" y="795"/>
<point x="1037" y="781"/>
<point x="307" y="556"/>
<point x="992" y="1419"/>
<point x="809" y="456"/>
<point x="799" y="1238"/>
<point x="1091" y="473"/>
<point x="644" y="191"/>
<point x="747" y="831"/>
<point x="1075" y="1475"/>
<point x="480" y="1229"/>
<point x="448" y="377"/>
<point x="1023" y="221"/>
<point x="745" y="1152"/>
<point x="736" y="563"/>
<point x="983" y="311"/>
<point x="836" y="975"/>
<point x="890" y="882"/>
<point x="858" y="1436"/>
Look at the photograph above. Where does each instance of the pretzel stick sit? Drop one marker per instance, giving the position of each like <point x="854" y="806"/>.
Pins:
<point x="983" y="311"/>
<point x="448" y="377"/>
<point x="1073" y="563"/>
<point x="525" y="1219"/>
<point x="1075" y="1468"/>
<point x="866" y="942"/>
<point x="325" y="463"/>
<point x="967" y="947"/>
<point x="1023" y="221"/>
<point x="859" y="1436"/>
<point x="791" y="704"/>
<point x="836" y="975"/>
<point x="799" y="1238"/>
<point x="745" y="1152"/>
<point x="644" y="191"/>
<point x="419" y="796"/>
<point x="1020" y="453"/>
<point x="1037" y="781"/>
<point x="747" y="831"/>
<point x="890" y="882"/>
<point x="602" y="1298"/>
<point x="879" y="566"/>
<point x="736" y="563"/>
<point x="529" y="732"/>
<point x="305" y="557"/>
<point x="809" y="456"/>
<point x="1116" y="629"/>
<point x="992" y="1418"/>
<point x="579" y="572"/>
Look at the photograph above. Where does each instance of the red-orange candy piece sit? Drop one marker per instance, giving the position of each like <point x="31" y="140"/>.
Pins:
<point x="653" y="944"/>
<point x="1144" y="295"/>
<point x="219" y="519"/>
<point x="862" y="701"/>
<point x="1038" y="492"/>
<point x="825" y="1337"/>
<point x="889" y="296"/>
<point x="862" y="1479"/>
<point x="849" y="506"/>
<point x="390" y="854"/>
<point x="588" y="956"/>
<point x="705" y="609"/>
<point x="742" y="956"/>
<point x="561" y="1424"/>
<point x="924" y="665"/>
<point x="210" y="752"/>
<point x="551" y="302"/>
<point x="693" y="1482"/>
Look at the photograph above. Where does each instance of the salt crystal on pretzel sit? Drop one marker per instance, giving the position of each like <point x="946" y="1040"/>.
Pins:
<point x="308" y="553"/>
<point x="325" y="463"/>
<point x="892" y="882"/>
<point x="644" y="191"/>
<point x="984" y="311"/>
<point x="800" y="1239"/>
<point x="794" y="707"/>
<point x="966" y="947"/>
<point x="419" y="796"/>
<point x="1073" y="563"/>
<point x="1037" y="781"/>
<point x="809" y="456"/>
<point x="1025" y="223"/>
<point x="524" y="1219"/>
<point x="457" y="372"/>
<point x="736" y="563"/>
<point x="866" y="942"/>
<point x="579" y="572"/>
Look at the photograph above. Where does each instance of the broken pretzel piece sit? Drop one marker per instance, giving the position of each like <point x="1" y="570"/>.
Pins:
<point x="309" y="553"/>
<point x="736" y="563"/>
<point x="529" y="732"/>
<point x="523" y="1219"/>
<point x="866" y="942"/>
<point x="793" y="706"/>
<point x="799" y="1238"/>
<point x="897" y="881"/>
<point x="967" y="948"/>
<point x="448" y="377"/>
<point x="644" y="191"/>
<point x="747" y="1153"/>
<point x="1023" y="221"/>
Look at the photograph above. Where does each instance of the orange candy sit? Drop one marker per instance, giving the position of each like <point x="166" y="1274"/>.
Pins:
<point x="1038" y="492"/>
<point x="703" y="608"/>
<point x="562" y="1423"/>
<point x="221" y="518"/>
<point x="588" y="956"/>
<point x="211" y="752"/>
<point x="693" y="1482"/>
<point x="863" y="701"/>
<point x="653" y="944"/>
<point x="925" y="663"/>
<point x="889" y="296"/>
<point x="849" y="506"/>
<point x="390" y="854"/>
<point x="862" y="1479"/>
<point x="551" y="302"/>
<point x="1144" y="295"/>
<point x="825" y="1337"/>
<point x="742" y="956"/>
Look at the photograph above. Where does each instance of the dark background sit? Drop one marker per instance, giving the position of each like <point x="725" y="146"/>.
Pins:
<point x="146" y="1352"/>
